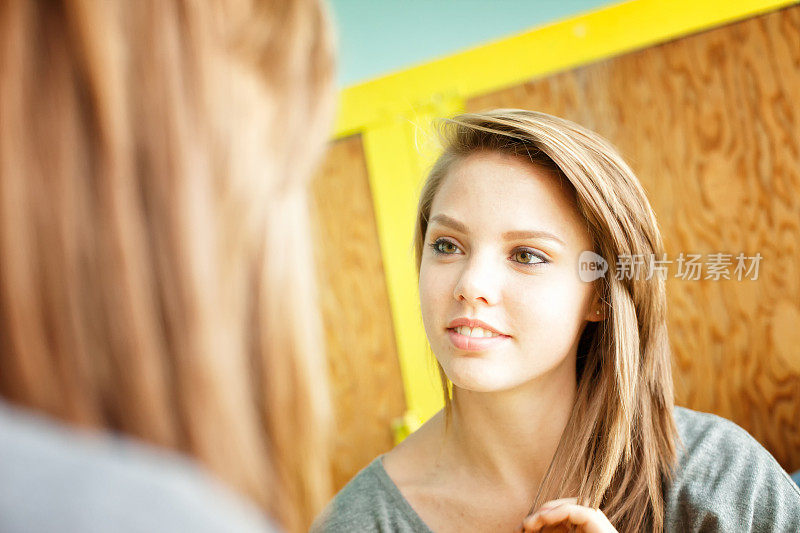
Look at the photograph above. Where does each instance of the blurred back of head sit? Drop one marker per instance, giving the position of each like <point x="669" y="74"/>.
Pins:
<point x="155" y="265"/>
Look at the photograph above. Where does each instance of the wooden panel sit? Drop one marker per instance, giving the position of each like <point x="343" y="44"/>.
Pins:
<point x="366" y="383"/>
<point x="711" y="125"/>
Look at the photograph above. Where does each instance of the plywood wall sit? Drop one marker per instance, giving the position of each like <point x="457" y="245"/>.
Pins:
<point x="365" y="374"/>
<point x="711" y="125"/>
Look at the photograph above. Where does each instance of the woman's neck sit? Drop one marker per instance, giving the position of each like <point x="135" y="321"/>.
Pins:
<point x="508" y="438"/>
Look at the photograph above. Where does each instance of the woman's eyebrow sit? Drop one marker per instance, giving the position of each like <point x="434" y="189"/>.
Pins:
<point x="532" y="234"/>
<point x="514" y="235"/>
<point x="450" y="222"/>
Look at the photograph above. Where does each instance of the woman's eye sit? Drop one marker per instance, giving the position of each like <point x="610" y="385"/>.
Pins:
<point x="443" y="246"/>
<point x="527" y="257"/>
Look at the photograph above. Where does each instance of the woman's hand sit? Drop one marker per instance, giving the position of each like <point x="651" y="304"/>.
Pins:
<point x="559" y="515"/>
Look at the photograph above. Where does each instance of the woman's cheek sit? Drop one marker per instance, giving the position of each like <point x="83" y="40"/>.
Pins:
<point x="548" y="305"/>
<point x="432" y="294"/>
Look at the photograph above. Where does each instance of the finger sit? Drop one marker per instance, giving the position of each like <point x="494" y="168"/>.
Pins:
<point x="555" y="503"/>
<point x="590" y="520"/>
<point x="528" y="522"/>
<point x="563" y="514"/>
<point x="534" y="522"/>
<point x="559" y="528"/>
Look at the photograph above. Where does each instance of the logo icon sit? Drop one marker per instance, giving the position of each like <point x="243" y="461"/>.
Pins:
<point x="591" y="266"/>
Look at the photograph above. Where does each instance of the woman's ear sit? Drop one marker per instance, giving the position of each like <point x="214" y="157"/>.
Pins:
<point x="596" y="313"/>
<point x="598" y="310"/>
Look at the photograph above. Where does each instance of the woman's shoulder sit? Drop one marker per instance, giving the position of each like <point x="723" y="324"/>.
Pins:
<point x="725" y="480"/>
<point x="708" y="440"/>
<point x="359" y="501"/>
<point x="369" y="502"/>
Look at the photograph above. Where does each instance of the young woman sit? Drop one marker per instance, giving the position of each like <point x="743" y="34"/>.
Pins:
<point x="558" y="393"/>
<point x="154" y="161"/>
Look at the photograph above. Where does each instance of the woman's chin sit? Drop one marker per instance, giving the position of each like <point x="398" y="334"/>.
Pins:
<point x="480" y="376"/>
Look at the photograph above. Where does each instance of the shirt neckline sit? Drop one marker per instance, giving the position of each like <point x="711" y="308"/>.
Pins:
<point x="399" y="500"/>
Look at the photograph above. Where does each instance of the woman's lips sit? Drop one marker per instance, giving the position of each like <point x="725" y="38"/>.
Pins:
<point x="474" y="344"/>
<point x="472" y="323"/>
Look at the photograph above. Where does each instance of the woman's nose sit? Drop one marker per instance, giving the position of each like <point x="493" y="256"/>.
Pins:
<point x="479" y="282"/>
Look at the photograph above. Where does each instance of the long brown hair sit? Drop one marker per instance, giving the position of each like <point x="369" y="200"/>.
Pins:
<point x="620" y="442"/>
<point x="154" y="157"/>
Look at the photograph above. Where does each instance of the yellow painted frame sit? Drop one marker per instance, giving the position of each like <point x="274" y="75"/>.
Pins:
<point x="393" y="113"/>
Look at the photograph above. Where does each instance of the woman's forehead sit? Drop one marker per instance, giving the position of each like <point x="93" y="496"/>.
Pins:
<point x="503" y="192"/>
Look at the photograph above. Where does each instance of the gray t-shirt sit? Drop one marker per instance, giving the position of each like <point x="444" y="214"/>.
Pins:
<point x="724" y="481"/>
<point x="53" y="478"/>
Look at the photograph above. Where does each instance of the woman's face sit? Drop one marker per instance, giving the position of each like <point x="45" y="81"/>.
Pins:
<point x="501" y="299"/>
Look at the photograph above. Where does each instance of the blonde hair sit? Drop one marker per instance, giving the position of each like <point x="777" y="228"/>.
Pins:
<point x="620" y="441"/>
<point x="154" y="280"/>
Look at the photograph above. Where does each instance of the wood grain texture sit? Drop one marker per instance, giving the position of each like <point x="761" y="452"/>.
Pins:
<point x="366" y="384"/>
<point x="711" y="125"/>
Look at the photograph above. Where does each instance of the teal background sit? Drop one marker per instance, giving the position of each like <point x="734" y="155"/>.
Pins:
<point x="377" y="37"/>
